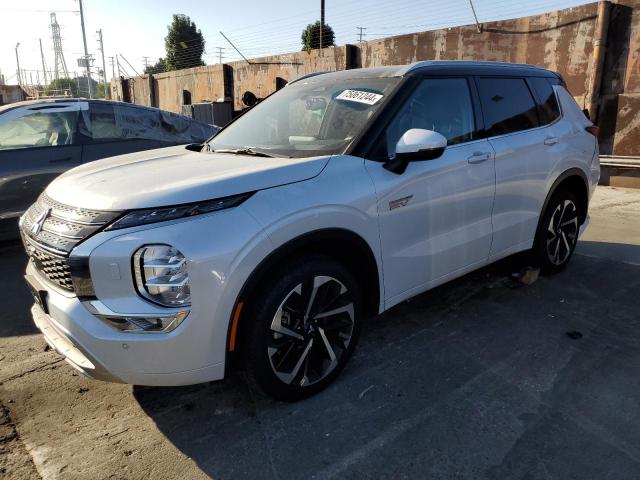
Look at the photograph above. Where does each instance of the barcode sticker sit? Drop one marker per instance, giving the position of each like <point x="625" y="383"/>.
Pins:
<point x="359" y="96"/>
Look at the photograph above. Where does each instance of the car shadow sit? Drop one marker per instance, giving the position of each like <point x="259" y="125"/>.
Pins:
<point x="231" y="430"/>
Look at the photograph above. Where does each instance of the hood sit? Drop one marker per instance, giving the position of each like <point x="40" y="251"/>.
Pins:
<point x="175" y="175"/>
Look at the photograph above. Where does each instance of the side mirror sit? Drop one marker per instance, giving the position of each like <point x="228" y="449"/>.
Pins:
<point x="415" y="145"/>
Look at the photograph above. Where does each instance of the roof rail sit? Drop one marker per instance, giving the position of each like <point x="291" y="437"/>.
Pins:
<point x="425" y="63"/>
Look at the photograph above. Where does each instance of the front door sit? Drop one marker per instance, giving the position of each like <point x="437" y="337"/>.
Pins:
<point x="435" y="218"/>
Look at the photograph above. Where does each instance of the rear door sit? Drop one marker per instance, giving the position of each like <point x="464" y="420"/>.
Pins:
<point x="37" y="143"/>
<point x="118" y="128"/>
<point x="113" y="129"/>
<point x="525" y="152"/>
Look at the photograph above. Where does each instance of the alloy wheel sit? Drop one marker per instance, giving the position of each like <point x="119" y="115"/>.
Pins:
<point x="311" y="331"/>
<point x="562" y="232"/>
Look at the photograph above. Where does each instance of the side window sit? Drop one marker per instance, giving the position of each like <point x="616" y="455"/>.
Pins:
<point x="39" y="129"/>
<point x="439" y="104"/>
<point x="103" y="123"/>
<point x="549" y="109"/>
<point x="507" y="105"/>
<point x="139" y="123"/>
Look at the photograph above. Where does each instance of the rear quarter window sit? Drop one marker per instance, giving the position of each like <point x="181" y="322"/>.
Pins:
<point x="548" y="107"/>
<point x="507" y="105"/>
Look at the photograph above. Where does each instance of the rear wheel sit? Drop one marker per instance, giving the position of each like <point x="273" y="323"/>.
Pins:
<point x="557" y="234"/>
<point x="306" y="322"/>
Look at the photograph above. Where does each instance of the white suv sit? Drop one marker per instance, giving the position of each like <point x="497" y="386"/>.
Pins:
<point x="332" y="200"/>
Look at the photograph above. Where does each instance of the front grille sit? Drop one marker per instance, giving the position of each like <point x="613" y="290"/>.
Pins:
<point x="50" y="230"/>
<point x="53" y="267"/>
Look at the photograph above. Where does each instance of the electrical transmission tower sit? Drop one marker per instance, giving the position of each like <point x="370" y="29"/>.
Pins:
<point x="60" y="66"/>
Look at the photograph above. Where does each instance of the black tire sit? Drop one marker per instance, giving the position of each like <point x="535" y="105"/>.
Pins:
<point x="557" y="233"/>
<point x="296" y="300"/>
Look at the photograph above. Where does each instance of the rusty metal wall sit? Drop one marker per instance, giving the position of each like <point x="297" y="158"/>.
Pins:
<point x="11" y="94"/>
<point x="563" y="41"/>
<point x="560" y="41"/>
<point x="261" y="75"/>
<point x="619" y="117"/>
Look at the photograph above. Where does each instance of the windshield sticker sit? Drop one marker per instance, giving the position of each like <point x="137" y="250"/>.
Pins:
<point x="359" y="96"/>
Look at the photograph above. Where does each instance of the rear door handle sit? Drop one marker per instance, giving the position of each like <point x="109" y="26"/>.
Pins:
<point x="551" y="140"/>
<point x="60" y="160"/>
<point x="478" y="157"/>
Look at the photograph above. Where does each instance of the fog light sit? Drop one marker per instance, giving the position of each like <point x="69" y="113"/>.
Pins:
<point x="163" y="322"/>
<point x="143" y="324"/>
<point x="161" y="276"/>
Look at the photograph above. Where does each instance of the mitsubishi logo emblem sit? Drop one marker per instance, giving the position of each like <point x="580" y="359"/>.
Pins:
<point x="39" y="222"/>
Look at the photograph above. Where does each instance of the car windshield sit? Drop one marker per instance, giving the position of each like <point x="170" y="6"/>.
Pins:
<point x="307" y="118"/>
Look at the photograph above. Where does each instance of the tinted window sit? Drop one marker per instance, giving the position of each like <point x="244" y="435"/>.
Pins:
<point x="118" y="122"/>
<point x="549" y="109"/>
<point x="507" y="105"/>
<point x="439" y="104"/>
<point x="103" y="122"/>
<point x="38" y="129"/>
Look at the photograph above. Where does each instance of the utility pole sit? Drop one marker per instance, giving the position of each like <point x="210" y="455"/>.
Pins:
<point x="118" y="63"/>
<point x="44" y="67"/>
<point x="18" y="63"/>
<point x="361" y="33"/>
<point x="113" y="67"/>
<point x="145" y="61"/>
<point x="86" y="52"/>
<point x="104" y="67"/>
<point x="321" y="23"/>
<point x="220" y="49"/>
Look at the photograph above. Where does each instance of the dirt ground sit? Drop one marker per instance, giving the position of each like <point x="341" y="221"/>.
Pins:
<point x="480" y="378"/>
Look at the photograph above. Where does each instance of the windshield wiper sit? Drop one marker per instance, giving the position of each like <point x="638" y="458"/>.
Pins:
<point x="243" y="151"/>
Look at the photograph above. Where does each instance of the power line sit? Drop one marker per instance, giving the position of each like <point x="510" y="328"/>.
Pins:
<point x="136" y="72"/>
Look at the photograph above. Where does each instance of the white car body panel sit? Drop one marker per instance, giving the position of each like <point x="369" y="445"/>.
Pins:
<point x="445" y="225"/>
<point x="176" y="176"/>
<point x="441" y="218"/>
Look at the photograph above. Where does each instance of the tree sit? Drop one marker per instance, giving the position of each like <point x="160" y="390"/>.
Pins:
<point x="158" y="67"/>
<point x="311" y="36"/>
<point x="184" y="44"/>
<point x="74" y="87"/>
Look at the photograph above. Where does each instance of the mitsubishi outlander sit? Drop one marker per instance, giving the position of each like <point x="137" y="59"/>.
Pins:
<point x="332" y="200"/>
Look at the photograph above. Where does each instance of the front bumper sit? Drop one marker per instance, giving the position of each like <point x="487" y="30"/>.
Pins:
<point x="61" y="342"/>
<point x="100" y="352"/>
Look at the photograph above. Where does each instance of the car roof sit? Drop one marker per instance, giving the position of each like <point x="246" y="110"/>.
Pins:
<point x="442" y="67"/>
<point x="44" y="101"/>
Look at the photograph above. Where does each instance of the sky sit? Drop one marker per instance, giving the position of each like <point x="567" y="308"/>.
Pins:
<point x="136" y="28"/>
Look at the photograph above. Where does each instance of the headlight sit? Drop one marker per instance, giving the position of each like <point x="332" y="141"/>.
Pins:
<point x="161" y="275"/>
<point x="163" y="214"/>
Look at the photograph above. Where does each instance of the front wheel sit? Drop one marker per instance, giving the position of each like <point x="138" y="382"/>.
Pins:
<point x="558" y="232"/>
<point x="306" y="322"/>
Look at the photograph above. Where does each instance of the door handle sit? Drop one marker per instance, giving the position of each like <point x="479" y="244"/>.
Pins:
<point x="478" y="157"/>
<point x="60" y="160"/>
<point x="551" y="140"/>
